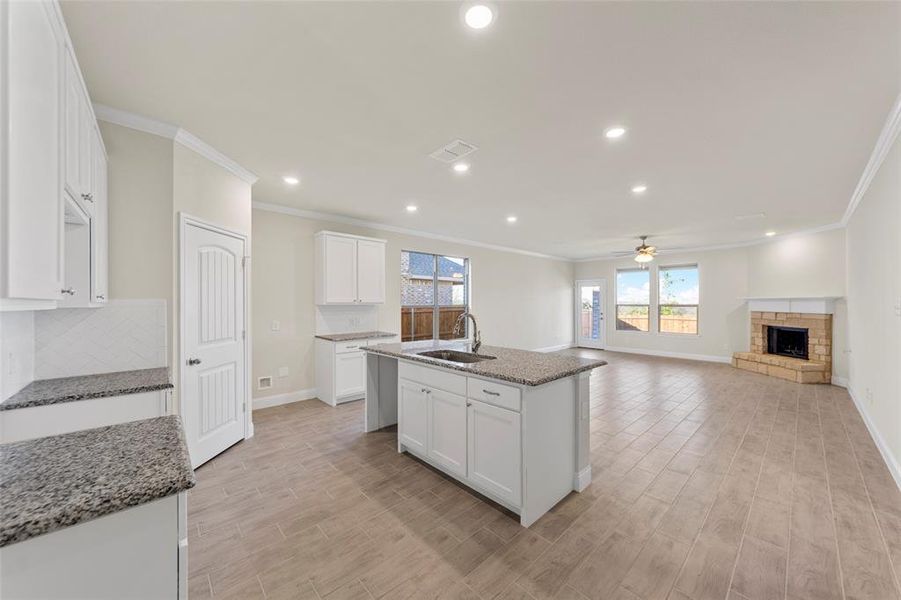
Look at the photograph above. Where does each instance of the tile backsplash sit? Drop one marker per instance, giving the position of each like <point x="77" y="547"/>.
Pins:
<point x="16" y="351"/>
<point x="124" y="335"/>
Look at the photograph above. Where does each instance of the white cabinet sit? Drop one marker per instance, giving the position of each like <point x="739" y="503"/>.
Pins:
<point x="413" y="415"/>
<point x="341" y="369"/>
<point x="51" y="153"/>
<point x="480" y="443"/>
<point x="494" y="450"/>
<point x="31" y="268"/>
<point x="447" y="431"/>
<point x="349" y="269"/>
<point x="350" y="374"/>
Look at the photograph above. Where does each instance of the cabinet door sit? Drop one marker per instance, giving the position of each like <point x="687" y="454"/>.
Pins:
<point x="495" y="450"/>
<point x="86" y="153"/>
<point x="72" y="114"/>
<point x="370" y="272"/>
<point x="350" y="374"/>
<point x="31" y="253"/>
<point x="413" y="415"/>
<point x="99" y="225"/>
<point x="447" y="431"/>
<point x="340" y="270"/>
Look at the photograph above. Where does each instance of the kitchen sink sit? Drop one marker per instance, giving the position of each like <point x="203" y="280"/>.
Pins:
<point x="456" y="356"/>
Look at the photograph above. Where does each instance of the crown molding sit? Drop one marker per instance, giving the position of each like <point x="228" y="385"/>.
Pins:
<point x="174" y="133"/>
<point x="334" y="218"/>
<point x="887" y="138"/>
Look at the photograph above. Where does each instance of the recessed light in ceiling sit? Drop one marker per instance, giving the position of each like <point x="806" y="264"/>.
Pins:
<point x="291" y="180"/>
<point x="478" y="16"/>
<point x="412" y="208"/>
<point x="615" y="132"/>
<point x="639" y="189"/>
<point x="461" y="167"/>
<point x="770" y="233"/>
<point x="511" y="219"/>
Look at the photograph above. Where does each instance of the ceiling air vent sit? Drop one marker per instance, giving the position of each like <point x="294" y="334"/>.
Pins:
<point x="453" y="151"/>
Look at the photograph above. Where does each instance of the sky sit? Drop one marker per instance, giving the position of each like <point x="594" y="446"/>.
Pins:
<point x="681" y="287"/>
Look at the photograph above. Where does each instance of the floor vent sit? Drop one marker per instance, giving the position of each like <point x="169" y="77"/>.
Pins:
<point x="453" y="151"/>
<point x="264" y="383"/>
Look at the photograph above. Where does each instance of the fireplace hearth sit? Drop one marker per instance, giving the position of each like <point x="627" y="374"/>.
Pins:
<point x="787" y="341"/>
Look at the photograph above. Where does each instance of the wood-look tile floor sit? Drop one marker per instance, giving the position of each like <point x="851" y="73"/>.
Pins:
<point x="708" y="482"/>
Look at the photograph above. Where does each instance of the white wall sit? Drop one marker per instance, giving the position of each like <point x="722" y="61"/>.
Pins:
<point x="16" y="351"/>
<point x="874" y="306"/>
<point x="519" y="300"/>
<point x="799" y="265"/>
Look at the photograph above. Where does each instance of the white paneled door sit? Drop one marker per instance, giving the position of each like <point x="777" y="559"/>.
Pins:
<point x="213" y="354"/>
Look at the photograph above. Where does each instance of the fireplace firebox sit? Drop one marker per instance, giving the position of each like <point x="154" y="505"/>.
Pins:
<point x="787" y="341"/>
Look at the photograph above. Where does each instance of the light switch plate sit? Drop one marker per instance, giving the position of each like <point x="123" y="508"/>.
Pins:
<point x="276" y="326"/>
<point x="283" y="371"/>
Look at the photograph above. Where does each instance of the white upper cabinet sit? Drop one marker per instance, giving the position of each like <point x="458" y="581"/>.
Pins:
<point x="31" y="268"/>
<point x="349" y="269"/>
<point x="52" y="157"/>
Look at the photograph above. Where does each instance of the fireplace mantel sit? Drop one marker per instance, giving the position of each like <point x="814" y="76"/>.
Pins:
<point x="816" y="305"/>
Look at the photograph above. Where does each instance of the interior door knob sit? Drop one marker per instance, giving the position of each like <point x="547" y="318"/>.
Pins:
<point x="193" y="361"/>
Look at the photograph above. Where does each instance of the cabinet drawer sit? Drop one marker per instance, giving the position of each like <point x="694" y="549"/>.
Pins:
<point x="351" y="346"/>
<point x="505" y="396"/>
<point x="433" y="378"/>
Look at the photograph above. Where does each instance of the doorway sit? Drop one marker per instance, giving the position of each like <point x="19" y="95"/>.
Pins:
<point x="590" y="311"/>
<point x="213" y="356"/>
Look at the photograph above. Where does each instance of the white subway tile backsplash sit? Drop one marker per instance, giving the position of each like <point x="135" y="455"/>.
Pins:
<point x="124" y="335"/>
<point x="16" y="351"/>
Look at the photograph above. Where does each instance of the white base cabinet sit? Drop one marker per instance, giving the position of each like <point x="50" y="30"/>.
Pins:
<point x="513" y="444"/>
<point x="54" y="419"/>
<point x="137" y="553"/>
<point x="341" y="369"/>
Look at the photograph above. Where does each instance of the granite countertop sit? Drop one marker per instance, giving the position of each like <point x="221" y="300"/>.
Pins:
<point x="360" y="335"/>
<point x="84" y="387"/>
<point x="54" y="482"/>
<point x="517" y="366"/>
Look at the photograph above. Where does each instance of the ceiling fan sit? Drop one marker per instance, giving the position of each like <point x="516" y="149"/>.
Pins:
<point x="643" y="253"/>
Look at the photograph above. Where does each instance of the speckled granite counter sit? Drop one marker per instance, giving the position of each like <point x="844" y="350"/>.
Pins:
<point x="517" y="366"/>
<point x="360" y="335"/>
<point x="54" y="482"/>
<point x="84" y="387"/>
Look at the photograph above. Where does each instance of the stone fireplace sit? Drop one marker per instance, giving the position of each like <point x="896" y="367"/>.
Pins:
<point x="792" y="344"/>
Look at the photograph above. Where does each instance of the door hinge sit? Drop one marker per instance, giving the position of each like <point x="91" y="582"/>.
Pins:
<point x="244" y="406"/>
<point x="243" y="334"/>
<point x="243" y="261"/>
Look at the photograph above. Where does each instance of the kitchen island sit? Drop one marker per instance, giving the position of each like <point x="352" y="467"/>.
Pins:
<point x="510" y="424"/>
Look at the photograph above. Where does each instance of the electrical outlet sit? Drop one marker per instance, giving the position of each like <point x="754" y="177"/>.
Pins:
<point x="283" y="371"/>
<point x="276" y="326"/>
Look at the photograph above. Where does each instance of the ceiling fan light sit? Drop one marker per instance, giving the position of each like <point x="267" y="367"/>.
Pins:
<point x="643" y="257"/>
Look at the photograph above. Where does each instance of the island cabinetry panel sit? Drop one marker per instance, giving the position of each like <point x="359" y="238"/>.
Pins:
<point x="495" y="450"/>
<point x="349" y="269"/>
<point x="447" y="431"/>
<point x="413" y="416"/>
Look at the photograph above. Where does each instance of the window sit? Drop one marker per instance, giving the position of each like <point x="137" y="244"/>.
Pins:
<point x="633" y="300"/>
<point x="434" y="292"/>
<point x="678" y="293"/>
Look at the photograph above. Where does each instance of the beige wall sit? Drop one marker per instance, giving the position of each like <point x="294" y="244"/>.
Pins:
<point x="801" y="265"/>
<point x="874" y="293"/>
<point x="520" y="301"/>
<point x="152" y="180"/>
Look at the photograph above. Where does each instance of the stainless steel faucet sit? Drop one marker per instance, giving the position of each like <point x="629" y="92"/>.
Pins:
<point x="476" y="338"/>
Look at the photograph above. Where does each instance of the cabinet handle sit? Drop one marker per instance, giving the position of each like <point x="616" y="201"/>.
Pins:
<point x="469" y="404"/>
<point x="352" y="347"/>
<point x="426" y="391"/>
<point x="101" y="297"/>
<point x="68" y="291"/>
<point x="88" y="197"/>
<point x="193" y="361"/>
<point x="490" y="393"/>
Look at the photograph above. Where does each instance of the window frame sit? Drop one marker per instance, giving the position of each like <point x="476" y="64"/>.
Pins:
<point x="436" y="305"/>
<point x="617" y="304"/>
<point x="661" y="305"/>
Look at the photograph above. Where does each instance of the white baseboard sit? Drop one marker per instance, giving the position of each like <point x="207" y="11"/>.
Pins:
<point x="666" y="354"/>
<point x="582" y="479"/>
<point x="286" y="398"/>
<point x="890" y="461"/>
<point x="554" y="348"/>
<point x="840" y="381"/>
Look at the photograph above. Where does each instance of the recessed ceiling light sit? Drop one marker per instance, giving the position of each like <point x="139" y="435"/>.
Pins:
<point x="639" y="189"/>
<point x="411" y="208"/>
<point x="478" y="16"/>
<point x="291" y="180"/>
<point x="461" y="167"/>
<point x="511" y="219"/>
<point x="770" y="233"/>
<point x="615" y="132"/>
